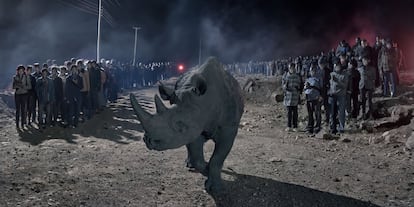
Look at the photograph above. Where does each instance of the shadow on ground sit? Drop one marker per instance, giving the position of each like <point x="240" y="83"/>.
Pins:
<point x="247" y="190"/>
<point x="116" y="123"/>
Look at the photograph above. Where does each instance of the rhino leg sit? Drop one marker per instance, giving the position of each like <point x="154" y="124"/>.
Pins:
<point x="195" y="158"/>
<point x="224" y="142"/>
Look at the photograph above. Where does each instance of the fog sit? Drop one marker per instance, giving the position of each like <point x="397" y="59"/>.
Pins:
<point x="34" y="31"/>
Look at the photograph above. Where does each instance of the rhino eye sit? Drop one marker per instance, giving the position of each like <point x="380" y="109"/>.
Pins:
<point x="180" y="127"/>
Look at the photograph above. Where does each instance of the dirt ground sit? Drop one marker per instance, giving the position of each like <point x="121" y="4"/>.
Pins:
<point x="104" y="162"/>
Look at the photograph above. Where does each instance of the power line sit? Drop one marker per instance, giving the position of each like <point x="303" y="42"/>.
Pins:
<point x="105" y="14"/>
<point x="79" y="8"/>
<point x="91" y="8"/>
<point x="108" y="2"/>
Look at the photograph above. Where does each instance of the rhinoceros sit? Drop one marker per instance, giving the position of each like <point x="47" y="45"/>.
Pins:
<point x="206" y="104"/>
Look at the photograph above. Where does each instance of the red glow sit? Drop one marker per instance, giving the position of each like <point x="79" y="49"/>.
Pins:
<point x="180" y="67"/>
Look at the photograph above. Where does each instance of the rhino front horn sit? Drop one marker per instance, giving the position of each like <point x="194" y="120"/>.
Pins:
<point x="159" y="105"/>
<point x="143" y="115"/>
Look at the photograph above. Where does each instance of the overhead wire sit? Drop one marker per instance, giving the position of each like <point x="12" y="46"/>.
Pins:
<point x="91" y="8"/>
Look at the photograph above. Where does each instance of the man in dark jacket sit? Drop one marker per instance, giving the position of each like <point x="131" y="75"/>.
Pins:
<point x="365" y="51"/>
<point x="56" y="105"/>
<point x="46" y="95"/>
<point x="31" y="98"/>
<point x="337" y="98"/>
<point x="37" y="73"/>
<point x="353" y="89"/>
<point x="73" y="86"/>
<point x="366" y="86"/>
<point x="387" y="66"/>
<point x="326" y="71"/>
<point x="357" y="47"/>
<point x="95" y="85"/>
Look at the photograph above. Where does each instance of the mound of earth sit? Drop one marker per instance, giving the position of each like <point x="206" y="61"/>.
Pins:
<point x="261" y="89"/>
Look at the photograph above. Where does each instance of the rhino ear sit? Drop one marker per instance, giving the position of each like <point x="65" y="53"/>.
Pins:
<point x="165" y="92"/>
<point x="200" y="85"/>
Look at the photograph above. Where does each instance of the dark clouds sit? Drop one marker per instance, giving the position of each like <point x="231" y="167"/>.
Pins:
<point x="233" y="30"/>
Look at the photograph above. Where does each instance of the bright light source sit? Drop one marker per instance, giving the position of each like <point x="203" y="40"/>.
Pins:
<point x="180" y="67"/>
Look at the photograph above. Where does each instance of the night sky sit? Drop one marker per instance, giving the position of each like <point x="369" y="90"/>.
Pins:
<point x="171" y="30"/>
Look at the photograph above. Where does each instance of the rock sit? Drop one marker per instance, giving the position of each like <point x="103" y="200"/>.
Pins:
<point x="391" y="139"/>
<point x="245" y="123"/>
<point x="388" y="137"/>
<point x="275" y="159"/>
<point x="367" y="126"/>
<point x="376" y="140"/>
<point x="248" y="87"/>
<point x="329" y="136"/>
<point x="279" y="98"/>
<point x="410" y="142"/>
<point x="346" y="140"/>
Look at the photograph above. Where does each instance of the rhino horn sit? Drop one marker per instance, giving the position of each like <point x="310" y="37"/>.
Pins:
<point x="142" y="115"/>
<point x="159" y="105"/>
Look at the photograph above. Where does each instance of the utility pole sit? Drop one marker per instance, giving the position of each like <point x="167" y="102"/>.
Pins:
<point x="99" y="31"/>
<point x="135" y="45"/>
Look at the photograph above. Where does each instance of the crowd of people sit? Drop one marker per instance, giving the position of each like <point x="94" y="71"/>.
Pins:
<point x="342" y="81"/>
<point x="50" y="95"/>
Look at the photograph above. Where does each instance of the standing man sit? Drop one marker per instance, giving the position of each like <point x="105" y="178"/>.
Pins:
<point x="35" y="75"/>
<point x="21" y="84"/>
<point x="56" y="105"/>
<point x="326" y="71"/>
<point x="95" y="85"/>
<point x="387" y="65"/>
<point x="291" y="87"/>
<point x="366" y="86"/>
<point x="313" y="98"/>
<point x="31" y="96"/>
<point x="353" y="89"/>
<point x="45" y="94"/>
<point x="73" y="86"/>
<point x="337" y="99"/>
<point x="85" y="95"/>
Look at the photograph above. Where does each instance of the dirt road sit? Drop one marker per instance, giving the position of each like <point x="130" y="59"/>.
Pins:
<point x="104" y="162"/>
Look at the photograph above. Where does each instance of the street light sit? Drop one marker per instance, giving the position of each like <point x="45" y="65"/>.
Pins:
<point x="135" y="45"/>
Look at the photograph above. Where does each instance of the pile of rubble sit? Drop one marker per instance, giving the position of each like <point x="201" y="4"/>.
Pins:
<point x="261" y="89"/>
